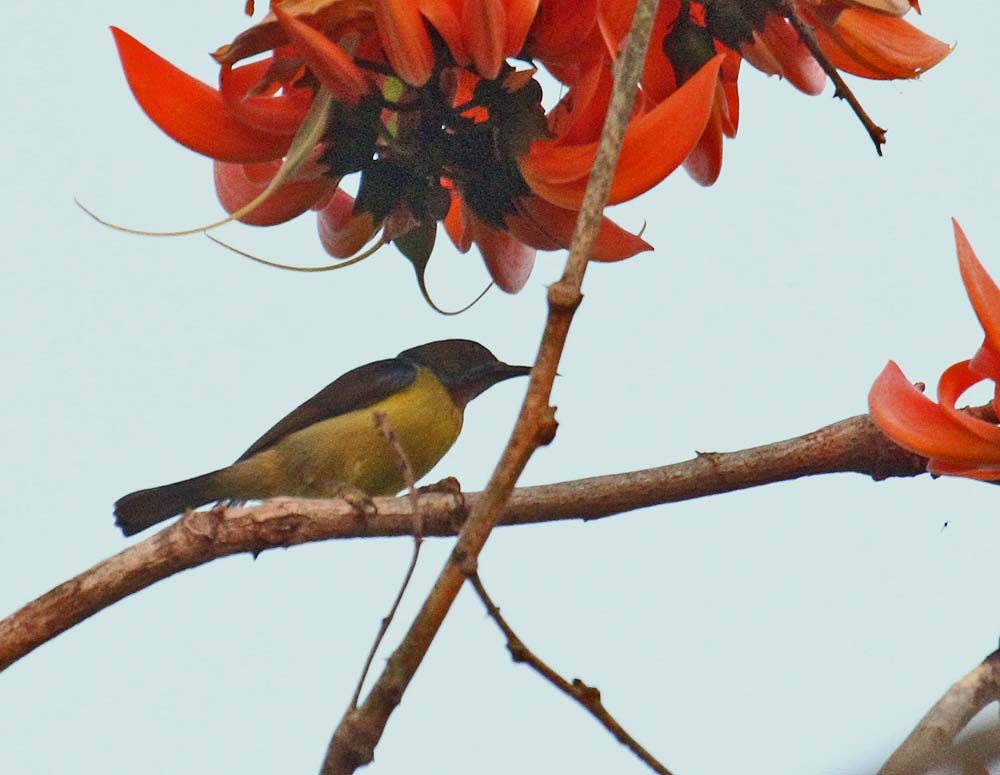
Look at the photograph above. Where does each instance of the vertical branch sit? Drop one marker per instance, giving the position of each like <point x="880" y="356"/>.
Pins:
<point x="353" y="742"/>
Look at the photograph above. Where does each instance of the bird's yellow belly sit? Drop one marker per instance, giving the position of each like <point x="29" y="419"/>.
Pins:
<point x="350" y="449"/>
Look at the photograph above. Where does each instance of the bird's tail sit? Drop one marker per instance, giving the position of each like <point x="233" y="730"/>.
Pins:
<point x="138" y="510"/>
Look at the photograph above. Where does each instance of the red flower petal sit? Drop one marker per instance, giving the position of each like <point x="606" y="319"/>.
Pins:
<point x="704" y="163"/>
<point x="953" y="383"/>
<point x="445" y="17"/>
<point x="328" y="62"/>
<point x="405" y="40"/>
<point x="343" y="233"/>
<point x="561" y="26"/>
<point x="191" y="112"/>
<point x="484" y="22"/>
<point x="280" y="115"/>
<point x="508" y="260"/>
<point x="560" y="173"/>
<point x="456" y="222"/>
<point x="237" y="185"/>
<point x="779" y="51"/>
<point x="520" y="16"/>
<point x="915" y="422"/>
<point x="986" y="362"/>
<point x="872" y="45"/>
<point x="613" y="242"/>
<point x="982" y="291"/>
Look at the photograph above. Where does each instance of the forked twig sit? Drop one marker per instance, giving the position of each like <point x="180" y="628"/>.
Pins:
<point x="406" y="468"/>
<point x="842" y="90"/>
<point x="587" y="696"/>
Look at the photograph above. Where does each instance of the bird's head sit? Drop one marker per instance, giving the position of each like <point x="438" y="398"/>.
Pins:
<point x="465" y="368"/>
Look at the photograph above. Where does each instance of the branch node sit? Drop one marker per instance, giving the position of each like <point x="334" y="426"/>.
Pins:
<point x="353" y="743"/>
<point x="591" y="695"/>
<point x="545" y="432"/>
<point x="465" y="561"/>
<point x="564" y="297"/>
<point x="204" y="524"/>
<point x="447" y="486"/>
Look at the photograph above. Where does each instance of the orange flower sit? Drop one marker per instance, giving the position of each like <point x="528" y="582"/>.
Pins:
<point x="956" y="443"/>
<point x="418" y="99"/>
<point x="863" y="37"/>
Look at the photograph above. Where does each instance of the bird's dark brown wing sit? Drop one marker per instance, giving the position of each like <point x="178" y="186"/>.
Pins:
<point x="358" y="388"/>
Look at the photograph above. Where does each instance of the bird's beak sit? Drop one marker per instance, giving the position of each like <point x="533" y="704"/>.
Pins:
<point x="504" y="371"/>
<point x="475" y="384"/>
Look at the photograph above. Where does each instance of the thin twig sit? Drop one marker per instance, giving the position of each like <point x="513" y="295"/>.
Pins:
<point x="851" y="445"/>
<point x="587" y="696"/>
<point x="932" y="738"/>
<point x="841" y="89"/>
<point x="353" y="742"/>
<point x="406" y="468"/>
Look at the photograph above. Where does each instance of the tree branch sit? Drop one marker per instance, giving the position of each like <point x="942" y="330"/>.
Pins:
<point x="929" y="743"/>
<point x="854" y="445"/>
<point x="587" y="696"/>
<point x="353" y="742"/>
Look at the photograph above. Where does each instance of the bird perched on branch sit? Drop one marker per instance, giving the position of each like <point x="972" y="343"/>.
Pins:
<point x="331" y="442"/>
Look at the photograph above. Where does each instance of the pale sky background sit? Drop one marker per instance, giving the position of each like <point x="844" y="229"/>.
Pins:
<point x="798" y="628"/>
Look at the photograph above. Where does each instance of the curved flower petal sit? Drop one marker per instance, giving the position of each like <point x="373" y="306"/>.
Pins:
<point x="986" y="362"/>
<point x="508" y="260"/>
<point x="332" y="17"/>
<point x="982" y="291"/>
<point x="953" y="383"/>
<point x="561" y="26"/>
<point x="239" y="184"/>
<point x="873" y="45"/>
<point x="520" y="17"/>
<point x="445" y="17"/>
<point x="559" y="173"/>
<point x="484" y="22"/>
<point x="191" y="112"/>
<point x="342" y="233"/>
<point x="579" y="116"/>
<point x="704" y="163"/>
<point x="279" y="115"/>
<point x="328" y="62"/>
<point x="456" y="223"/>
<point x="405" y="39"/>
<point x="613" y="242"/>
<point x="777" y="50"/>
<point x="915" y="422"/>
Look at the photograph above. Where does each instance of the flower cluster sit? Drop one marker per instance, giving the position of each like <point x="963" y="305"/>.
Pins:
<point x="434" y="105"/>
<point x="957" y="443"/>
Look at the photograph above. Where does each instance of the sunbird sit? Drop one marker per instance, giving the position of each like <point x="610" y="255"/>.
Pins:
<point x="331" y="442"/>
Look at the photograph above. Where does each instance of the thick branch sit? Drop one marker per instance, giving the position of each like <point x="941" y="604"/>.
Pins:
<point x="854" y="444"/>
<point x="928" y="744"/>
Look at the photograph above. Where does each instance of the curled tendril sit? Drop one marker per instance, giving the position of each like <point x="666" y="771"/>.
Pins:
<point x="382" y="242"/>
<point x="449" y="313"/>
<point x="293" y="268"/>
<point x="309" y="135"/>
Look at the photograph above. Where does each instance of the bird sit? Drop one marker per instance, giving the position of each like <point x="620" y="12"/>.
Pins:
<point x="330" y="444"/>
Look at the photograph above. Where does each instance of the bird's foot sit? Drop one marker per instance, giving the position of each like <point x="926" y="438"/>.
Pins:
<point x="358" y="499"/>
<point x="447" y="486"/>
